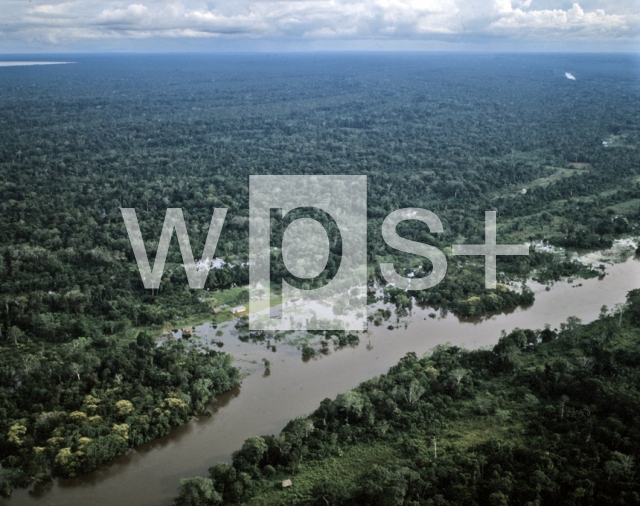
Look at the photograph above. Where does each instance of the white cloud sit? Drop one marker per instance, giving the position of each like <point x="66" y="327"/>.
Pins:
<point x="384" y="20"/>
<point x="134" y="14"/>
<point x="62" y="8"/>
<point x="574" y="20"/>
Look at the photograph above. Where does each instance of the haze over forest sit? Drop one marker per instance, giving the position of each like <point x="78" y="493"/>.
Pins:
<point x="523" y="392"/>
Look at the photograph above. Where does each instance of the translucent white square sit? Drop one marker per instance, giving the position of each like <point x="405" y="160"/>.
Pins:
<point x="341" y="304"/>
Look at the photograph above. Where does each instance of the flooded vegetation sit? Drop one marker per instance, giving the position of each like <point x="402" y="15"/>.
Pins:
<point x="293" y="387"/>
<point x="95" y="412"/>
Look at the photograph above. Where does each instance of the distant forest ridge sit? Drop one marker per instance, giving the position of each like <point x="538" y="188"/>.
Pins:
<point x="455" y="134"/>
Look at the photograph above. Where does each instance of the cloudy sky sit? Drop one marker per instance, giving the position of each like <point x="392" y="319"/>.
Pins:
<point x="298" y="25"/>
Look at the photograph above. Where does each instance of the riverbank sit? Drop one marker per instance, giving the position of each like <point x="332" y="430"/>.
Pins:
<point x="543" y="417"/>
<point x="149" y="474"/>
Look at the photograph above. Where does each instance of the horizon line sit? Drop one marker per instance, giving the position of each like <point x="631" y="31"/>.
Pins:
<point x="325" y="51"/>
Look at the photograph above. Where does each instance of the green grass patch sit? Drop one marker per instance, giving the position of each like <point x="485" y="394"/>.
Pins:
<point x="627" y="208"/>
<point x="588" y="274"/>
<point x="340" y="469"/>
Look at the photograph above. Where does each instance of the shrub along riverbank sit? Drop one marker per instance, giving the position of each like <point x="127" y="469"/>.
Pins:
<point x="67" y="409"/>
<point x="545" y="417"/>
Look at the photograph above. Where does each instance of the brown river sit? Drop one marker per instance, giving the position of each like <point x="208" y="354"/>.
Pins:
<point x="149" y="475"/>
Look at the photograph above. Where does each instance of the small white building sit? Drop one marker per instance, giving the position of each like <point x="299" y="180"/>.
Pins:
<point x="238" y="310"/>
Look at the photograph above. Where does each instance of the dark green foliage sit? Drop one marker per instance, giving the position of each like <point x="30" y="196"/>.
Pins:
<point x="307" y="351"/>
<point x="561" y="413"/>
<point x="634" y="305"/>
<point x="66" y="409"/>
<point x="249" y="456"/>
<point x="455" y="137"/>
<point x="197" y="491"/>
<point x="330" y="493"/>
<point x="382" y="486"/>
<point x="458" y="293"/>
<point x="458" y="137"/>
<point x="5" y="489"/>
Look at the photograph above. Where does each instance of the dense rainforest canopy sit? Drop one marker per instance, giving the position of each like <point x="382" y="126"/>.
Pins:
<point x="456" y="135"/>
<point x="544" y="417"/>
<point x="78" y="405"/>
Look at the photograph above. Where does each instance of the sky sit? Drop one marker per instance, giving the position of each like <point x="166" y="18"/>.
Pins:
<point x="32" y="26"/>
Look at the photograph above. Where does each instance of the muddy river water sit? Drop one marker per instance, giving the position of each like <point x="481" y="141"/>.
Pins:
<point x="263" y="404"/>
